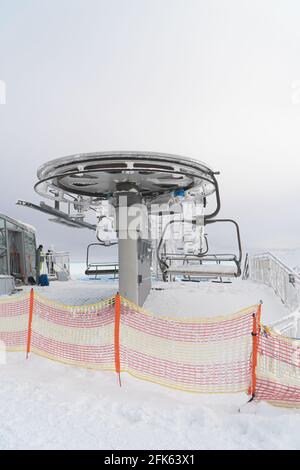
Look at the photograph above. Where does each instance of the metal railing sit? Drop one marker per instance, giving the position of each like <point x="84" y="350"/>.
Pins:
<point x="288" y="326"/>
<point x="268" y="269"/>
<point x="58" y="265"/>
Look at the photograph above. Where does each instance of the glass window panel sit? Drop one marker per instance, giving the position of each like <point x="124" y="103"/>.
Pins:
<point x="3" y="261"/>
<point x="2" y="233"/>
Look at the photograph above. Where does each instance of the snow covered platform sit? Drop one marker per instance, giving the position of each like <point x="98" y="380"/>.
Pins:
<point x="78" y="292"/>
<point x="208" y="299"/>
<point x="177" y="299"/>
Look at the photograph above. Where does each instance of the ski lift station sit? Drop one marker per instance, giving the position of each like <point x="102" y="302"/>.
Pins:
<point x="159" y="211"/>
<point x="142" y="201"/>
<point x="149" y="248"/>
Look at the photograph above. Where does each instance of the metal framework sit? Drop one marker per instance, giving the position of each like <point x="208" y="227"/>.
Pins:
<point x="268" y="269"/>
<point x="95" y="176"/>
<point x="58" y="265"/>
<point x="84" y="181"/>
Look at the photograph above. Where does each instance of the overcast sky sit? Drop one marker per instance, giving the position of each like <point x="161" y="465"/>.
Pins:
<point x="210" y="79"/>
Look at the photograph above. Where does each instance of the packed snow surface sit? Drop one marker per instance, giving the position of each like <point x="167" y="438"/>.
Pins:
<point x="48" y="405"/>
<point x="177" y="299"/>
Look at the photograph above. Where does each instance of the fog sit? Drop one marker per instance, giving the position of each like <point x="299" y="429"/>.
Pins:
<point x="213" y="80"/>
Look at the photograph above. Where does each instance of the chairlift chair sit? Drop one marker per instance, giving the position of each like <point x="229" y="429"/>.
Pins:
<point x="99" y="268"/>
<point x="201" y="265"/>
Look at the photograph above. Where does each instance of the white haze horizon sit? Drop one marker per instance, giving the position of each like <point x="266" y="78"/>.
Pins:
<point x="216" y="81"/>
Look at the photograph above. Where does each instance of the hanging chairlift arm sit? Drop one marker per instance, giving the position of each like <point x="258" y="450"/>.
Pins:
<point x="61" y="216"/>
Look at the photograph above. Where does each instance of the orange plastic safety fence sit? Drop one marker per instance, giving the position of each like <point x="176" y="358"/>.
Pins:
<point x="117" y="335"/>
<point x="196" y="354"/>
<point x="31" y="301"/>
<point x="278" y="369"/>
<point x="255" y="341"/>
<point x="14" y="322"/>
<point x="80" y="335"/>
<point x="217" y="354"/>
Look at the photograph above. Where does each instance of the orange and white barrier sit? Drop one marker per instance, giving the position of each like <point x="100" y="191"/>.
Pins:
<point x="80" y="335"/>
<point x="14" y="313"/>
<point x="278" y="369"/>
<point x="197" y="355"/>
<point x="211" y="355"/>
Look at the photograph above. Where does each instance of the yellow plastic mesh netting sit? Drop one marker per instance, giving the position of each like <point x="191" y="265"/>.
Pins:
<point x="192" y="354"/>
<point x="14" y="322"/>
<point x="210" y="355"/>
<point x="278" y="369"/>
<point x="81" y="335"/>
<point x="199" y="355"/>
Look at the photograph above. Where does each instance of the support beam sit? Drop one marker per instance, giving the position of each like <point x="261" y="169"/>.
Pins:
<point x="134" y="245"/>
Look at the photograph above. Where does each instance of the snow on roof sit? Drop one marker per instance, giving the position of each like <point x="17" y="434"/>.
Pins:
<point x="31" y="228"/>
<point x="21" y="224"/>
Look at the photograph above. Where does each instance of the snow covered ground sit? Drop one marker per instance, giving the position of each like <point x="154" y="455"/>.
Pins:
<point x="47" y="405"/>
<point x="210" y="299"/>
<point x="175" y="299"/>
<point x="77" y="292"/>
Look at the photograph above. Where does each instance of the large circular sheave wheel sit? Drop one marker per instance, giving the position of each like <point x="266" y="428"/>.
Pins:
<point x="97" y="175"/>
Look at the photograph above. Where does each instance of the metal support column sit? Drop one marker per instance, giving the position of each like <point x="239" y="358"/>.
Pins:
<point x="134" y="244"/>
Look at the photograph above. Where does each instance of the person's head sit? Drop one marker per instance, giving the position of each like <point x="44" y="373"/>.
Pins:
<point x="40" y="247"/>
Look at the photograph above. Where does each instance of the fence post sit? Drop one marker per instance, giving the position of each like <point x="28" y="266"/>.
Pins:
<point x="117" y="336"/>
<point x="31" y="301"/>
<point x="255" y="339"/>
